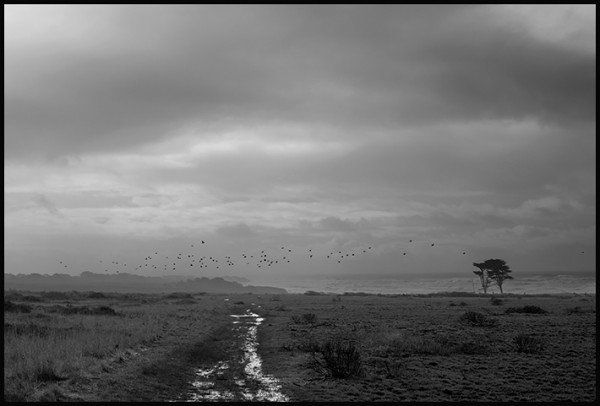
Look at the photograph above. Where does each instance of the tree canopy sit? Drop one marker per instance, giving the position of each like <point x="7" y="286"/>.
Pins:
<point x="492" y="272"/>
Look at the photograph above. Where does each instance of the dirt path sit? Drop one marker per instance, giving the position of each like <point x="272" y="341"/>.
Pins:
<point x="240" y="377"/>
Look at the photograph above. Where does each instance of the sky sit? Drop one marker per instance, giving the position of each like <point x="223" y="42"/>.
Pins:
<point x="134" y="129"/>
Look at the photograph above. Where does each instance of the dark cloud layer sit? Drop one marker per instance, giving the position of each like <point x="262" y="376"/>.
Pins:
<point x="146" y="72"/>
<point x="327" y="125"/>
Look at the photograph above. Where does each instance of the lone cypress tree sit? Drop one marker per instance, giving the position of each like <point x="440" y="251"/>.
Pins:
<point x="492" y="272"/>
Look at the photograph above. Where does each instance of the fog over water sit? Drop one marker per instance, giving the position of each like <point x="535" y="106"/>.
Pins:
<point x="580" y="283"/>
<point x="437" y="135"/>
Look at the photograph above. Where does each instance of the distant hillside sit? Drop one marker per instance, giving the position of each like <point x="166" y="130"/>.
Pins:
<point x="126" y="282"/>
<point x="238" y="279"/>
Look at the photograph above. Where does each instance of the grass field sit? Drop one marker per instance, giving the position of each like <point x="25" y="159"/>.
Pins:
<point x="91" y="346"/>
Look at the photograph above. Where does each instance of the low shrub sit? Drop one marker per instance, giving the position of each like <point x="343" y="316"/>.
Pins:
<point x="527" y="344"/>
<point x="100" y="310"/>
<point x="186" y="302"/>
<point x="496" y="301"/>
<point x="16" y="307"/>
<point x="179" y="295"/>
<point x="342" y="359"/>
<point x="306" y="318"/>
<point x="478" y="319"/>
<point x="55" y="295"/>
<point x="104" y="310"/>
<point x="30" y="298"/>
<point x="578" y="310"/>
<point x="526" y="309"/>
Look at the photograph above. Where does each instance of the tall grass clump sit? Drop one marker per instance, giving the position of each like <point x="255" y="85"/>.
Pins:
<point x="527" y="343"/>
<point x="341" y="358"/>
<point x="306" y="318"/>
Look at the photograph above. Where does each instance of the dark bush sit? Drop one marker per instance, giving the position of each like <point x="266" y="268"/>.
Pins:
<point x="306" y="318"/>
<point x="527" y="344"/>
<point x="496" y="301"/>
<point x="186" y="302"/>
<point x="96" y="295"/>
<point x="578" y="310"/>
<point x="16" y="307"/>
<point x="342" y="358"/>
<point x="526" y="309"/>
<point x="101" y="310"/>
<point x="46" y="373"/>
<point x="478" y="319"/>
<point x="104" y="310"/>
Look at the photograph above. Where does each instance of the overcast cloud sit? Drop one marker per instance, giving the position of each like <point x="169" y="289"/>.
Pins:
<point x="130" y="128"/>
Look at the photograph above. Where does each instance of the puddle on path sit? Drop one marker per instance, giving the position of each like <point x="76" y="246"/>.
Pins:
<point x="240" y="378"/>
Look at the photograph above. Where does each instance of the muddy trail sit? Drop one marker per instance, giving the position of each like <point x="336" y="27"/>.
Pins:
<point x="240" y="377"/>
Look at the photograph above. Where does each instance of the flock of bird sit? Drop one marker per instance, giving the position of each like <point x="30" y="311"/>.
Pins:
<point x="192" y="259"/>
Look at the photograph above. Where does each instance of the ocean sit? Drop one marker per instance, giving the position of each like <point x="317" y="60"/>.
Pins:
<point x="542" y="283"/>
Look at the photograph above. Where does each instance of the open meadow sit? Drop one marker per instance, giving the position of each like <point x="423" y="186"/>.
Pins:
<point x="91" y="346"/>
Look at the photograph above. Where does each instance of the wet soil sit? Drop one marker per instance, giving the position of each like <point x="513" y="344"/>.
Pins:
<point x="239" y="377"/>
